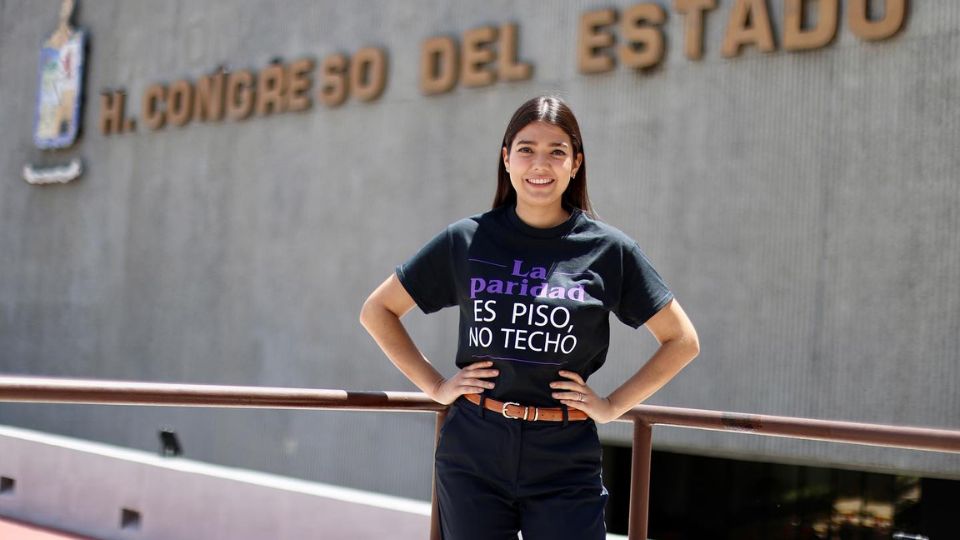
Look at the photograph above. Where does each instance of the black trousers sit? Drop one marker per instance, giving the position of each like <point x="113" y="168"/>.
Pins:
<point x="497" y="476"/>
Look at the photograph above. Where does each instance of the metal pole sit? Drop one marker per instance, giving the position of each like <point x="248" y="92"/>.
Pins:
<point x="435" y="507"/>
<point x="640" y="480"/>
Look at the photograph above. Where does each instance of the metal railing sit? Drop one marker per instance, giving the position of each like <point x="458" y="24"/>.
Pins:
<point x="644" y="417"/>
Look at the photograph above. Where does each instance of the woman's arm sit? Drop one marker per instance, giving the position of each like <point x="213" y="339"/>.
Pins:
<point x="381" y="314"/>
<point x="678" y="346"/>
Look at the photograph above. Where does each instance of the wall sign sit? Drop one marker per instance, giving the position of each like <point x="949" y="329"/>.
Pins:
<point x="58" y="109"/>
<point x="633" y="37"/>
<point x="57" y="120"/>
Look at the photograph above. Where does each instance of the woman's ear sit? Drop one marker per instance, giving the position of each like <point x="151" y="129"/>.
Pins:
<point x="506" y="158"/>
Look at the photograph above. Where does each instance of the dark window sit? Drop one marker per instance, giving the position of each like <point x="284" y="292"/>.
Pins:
<point x="695" y="497"/>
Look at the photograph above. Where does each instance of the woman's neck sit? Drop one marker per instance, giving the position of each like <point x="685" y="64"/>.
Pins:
<point x="542" y="217"/>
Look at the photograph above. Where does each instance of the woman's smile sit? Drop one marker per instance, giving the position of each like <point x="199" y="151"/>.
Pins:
<point x="540" y="180"/>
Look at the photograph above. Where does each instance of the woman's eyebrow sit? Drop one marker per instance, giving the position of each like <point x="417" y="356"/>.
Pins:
<point x="557" y="143"/>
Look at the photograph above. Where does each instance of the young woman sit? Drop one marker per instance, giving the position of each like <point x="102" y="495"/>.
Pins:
<point x="535" y="279"/>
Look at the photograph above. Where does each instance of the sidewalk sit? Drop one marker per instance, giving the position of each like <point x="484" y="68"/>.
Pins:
<point x="13" y="530"/>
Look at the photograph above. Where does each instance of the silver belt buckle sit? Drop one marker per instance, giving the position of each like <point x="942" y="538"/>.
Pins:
<point x="503" y="410"/>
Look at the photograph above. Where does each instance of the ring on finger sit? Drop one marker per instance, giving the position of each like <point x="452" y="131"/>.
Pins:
<point x="579" y="396"/>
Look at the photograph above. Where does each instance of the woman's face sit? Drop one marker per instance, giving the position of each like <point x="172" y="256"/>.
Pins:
<point x="541" y="162"/>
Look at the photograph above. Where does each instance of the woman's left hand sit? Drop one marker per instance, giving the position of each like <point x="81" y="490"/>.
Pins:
<point x="579" y="396"/>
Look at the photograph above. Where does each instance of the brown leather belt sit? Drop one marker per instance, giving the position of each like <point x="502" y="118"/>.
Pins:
<point x="515" y="411"/>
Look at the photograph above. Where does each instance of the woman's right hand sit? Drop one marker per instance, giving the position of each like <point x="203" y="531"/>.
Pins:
<point x="468" y="380"/>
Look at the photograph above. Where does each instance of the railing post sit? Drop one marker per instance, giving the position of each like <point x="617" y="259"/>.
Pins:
<point x="434" y="509"/>
<point x="640" y="480"/>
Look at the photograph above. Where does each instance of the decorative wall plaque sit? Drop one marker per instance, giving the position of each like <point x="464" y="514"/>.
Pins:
<point x="58" y="113"/>
<point x="59" y="98"/>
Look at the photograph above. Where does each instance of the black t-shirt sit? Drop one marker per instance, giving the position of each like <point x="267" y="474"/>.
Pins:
<point x="534" y="300"/>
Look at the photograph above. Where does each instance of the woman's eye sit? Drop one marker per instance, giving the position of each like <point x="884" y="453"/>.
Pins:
<point x="559" y="153"/>
<point x="524" y="150"/>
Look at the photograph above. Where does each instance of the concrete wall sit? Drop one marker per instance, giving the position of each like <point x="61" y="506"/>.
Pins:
<point x="802" y="206"/>
<point x="84" y="488"/>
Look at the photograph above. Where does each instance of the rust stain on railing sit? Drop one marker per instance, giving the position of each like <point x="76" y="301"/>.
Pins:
<point x="741" y="422"/>
<point x="644" y="417"/>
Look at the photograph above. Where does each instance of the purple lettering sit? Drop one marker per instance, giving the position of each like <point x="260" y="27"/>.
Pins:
<point x="476" y="285"/>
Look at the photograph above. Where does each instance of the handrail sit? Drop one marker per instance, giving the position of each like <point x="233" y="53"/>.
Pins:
<point x="103" y="392"/>
<point x="644" y="417"/>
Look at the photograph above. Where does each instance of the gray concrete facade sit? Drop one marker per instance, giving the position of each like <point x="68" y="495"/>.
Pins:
<point x="804" y="208"/>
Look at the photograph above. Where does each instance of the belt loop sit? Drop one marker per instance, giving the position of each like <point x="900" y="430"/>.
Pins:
<point x="483" y="399"/>
<point x="565" y="416"/>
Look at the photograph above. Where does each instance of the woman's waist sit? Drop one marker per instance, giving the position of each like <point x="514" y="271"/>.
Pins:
<point x="523" y="396"/>
<point x="528" y="383"/>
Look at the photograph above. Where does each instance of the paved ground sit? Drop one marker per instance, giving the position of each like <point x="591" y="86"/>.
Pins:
<point x="12" y="530"/>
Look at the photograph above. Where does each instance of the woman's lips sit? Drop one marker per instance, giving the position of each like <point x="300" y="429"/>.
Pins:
<point x="539" y="181"/>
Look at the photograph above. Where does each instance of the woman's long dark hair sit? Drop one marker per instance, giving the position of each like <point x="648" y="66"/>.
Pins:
<point x="554" y="111"/>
